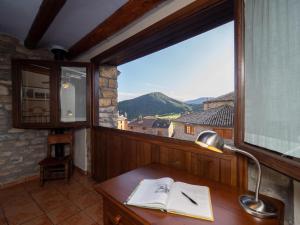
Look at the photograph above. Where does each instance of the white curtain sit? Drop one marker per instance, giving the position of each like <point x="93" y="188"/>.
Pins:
<point x="272" y="75"/>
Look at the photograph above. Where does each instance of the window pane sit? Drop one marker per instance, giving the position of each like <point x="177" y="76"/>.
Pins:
<point x="35" y="94"/>
<point x="73" y="94"/>
<point x="272" y="68"/>
<point x="179" y="91"/>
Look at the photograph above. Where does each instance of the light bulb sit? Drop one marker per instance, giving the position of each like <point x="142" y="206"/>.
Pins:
<point x="66" y="85"/>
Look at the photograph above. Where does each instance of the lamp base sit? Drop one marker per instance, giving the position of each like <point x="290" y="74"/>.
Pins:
<point x="257" y="208"/>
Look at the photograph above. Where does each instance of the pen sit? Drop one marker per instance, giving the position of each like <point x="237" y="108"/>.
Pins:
<point x="189" y="198"/>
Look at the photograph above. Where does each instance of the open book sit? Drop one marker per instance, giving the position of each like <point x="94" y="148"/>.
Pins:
<point x="174" y="197"/>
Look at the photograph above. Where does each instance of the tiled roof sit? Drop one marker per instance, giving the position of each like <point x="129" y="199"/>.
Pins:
<point x="150" y="122"/>
<point x="141" y="122"/>
<point x="216" y="117"/>
<point x="160" y="123"/>
<point x="226" y="97"/>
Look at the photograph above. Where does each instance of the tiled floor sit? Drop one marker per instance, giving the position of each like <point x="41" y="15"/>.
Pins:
<point x="58" y="202"/>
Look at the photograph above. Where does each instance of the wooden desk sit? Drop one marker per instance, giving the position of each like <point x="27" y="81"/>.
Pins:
<point x="226" y="208"/>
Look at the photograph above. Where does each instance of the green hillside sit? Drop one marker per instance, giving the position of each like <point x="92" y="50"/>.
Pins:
<point x="151" y="104"/>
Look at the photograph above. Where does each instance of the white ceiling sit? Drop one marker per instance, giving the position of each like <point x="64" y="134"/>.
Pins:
<point x="75" y="19"/>
<point x="16" y="16"/>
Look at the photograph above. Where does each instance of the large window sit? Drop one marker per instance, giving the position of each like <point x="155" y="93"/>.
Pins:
<point x="179" y="91"/>
<point x="268" y="46"/>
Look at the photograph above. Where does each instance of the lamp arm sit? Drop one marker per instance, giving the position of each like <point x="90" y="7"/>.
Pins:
<point x="258" y="181"/>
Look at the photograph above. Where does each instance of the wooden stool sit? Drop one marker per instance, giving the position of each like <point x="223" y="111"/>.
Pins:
<point x="53" y="167"/>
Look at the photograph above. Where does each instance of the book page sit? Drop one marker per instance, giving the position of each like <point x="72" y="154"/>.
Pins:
<point x="180" y="204"/>
<point x="151" y="193"/>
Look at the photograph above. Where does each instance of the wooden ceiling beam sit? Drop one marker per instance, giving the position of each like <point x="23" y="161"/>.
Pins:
<point x="46" y="14"/>
<point x="195" y="18"/>
<point x="125" y="15"/>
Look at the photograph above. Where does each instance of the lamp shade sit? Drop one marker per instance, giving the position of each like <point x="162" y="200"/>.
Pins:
<point x="210" y="140"/>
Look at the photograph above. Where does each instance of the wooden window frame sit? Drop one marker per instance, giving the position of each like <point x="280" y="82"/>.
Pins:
<point x="182" y="25"/>
<point x="89" y="71"/>
<point x="268" y="157"/>
<point x="194" y="19"/>
<point x="17" y="66"/>
<point x="54" y="122"/>
<point x="189" y="129"/>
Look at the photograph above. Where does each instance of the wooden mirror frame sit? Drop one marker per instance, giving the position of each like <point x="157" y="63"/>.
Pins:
<point x="269" y="158"/>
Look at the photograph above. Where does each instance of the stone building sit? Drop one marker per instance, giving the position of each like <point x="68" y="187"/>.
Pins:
<point x="122" y="122"/>
<point x="151" y="125"/>
<point x="219" y="119"/>
<point x="227" y="99"/>
<point x="218" y="116"/>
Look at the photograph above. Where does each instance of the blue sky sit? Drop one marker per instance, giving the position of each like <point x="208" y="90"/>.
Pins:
<point x="202" y="66"/>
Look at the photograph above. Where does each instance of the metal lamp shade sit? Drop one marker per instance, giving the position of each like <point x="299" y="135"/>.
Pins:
<point x="210" y="140"/>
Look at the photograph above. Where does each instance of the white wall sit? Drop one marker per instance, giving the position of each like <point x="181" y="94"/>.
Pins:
<point x="80" y="149"/>
<point x="296" y="202"/>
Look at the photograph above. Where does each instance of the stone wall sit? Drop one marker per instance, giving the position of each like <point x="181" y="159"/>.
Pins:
<point x="297" y="202"/>
<point x="20" y="150"/>
<point x="108" y="96"/>
<point x="276" y="185"/>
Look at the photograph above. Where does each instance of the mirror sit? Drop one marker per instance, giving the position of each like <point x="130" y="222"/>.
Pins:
<point x="35" y="92"/>
<point x="73" y="94"/>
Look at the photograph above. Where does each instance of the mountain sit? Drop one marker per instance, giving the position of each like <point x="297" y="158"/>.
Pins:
<point x="155" y="103"/>
<point x="197" y="107"/>
<point x="198" y="101"/>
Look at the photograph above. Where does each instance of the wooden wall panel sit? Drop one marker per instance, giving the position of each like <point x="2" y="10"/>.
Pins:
<point x="208" y="167"/>
<point x="144" y="156"/>
<point x="115" y="152"/>
<point x="163" y="156"/>
<point x="226" y="175"/>
<point x="114" y="155"/>
<point x="99" y="157"/>
<point x="155" y="153"/>
<point x="128" y="155"/>
<point x="178" y="159"/>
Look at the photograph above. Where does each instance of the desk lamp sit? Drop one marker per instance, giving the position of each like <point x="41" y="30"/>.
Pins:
<point x="252" y="204"/>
